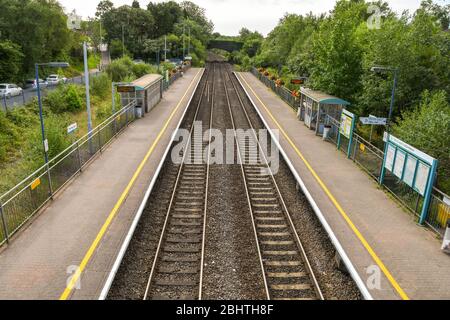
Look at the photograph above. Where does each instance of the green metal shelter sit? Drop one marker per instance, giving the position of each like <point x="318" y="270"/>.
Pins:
<point x="315" y="106"/>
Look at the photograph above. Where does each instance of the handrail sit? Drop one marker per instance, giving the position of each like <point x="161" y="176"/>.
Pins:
<point x="80" y="140"/>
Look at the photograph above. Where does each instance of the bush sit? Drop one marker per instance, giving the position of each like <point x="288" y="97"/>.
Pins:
<point x="119" y="69"/>
<point x="73" y="100"/>
<point x="141" y="69"/>
<point x="101" y="86"/>
<point x="427" y="128"/>
<point x="65" y="99"/>
<point x="103" y="112"/>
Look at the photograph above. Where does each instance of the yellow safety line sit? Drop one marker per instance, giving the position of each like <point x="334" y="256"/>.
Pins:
<point x="98" y="238"/>
<point x="361" y="238"/>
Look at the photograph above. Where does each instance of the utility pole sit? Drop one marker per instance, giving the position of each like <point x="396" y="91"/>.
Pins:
<point x="123" y="41"/>
<point x="165" y="48"/>
<point x="86" y="81"/>
<point x="189" y="42"/>
<point x="184" y="45"/>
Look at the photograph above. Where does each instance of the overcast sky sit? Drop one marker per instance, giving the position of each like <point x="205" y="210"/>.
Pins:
<point x="229" y="16"/>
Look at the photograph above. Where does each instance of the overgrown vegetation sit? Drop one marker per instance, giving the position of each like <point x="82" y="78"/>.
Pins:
<point x="20" y="136"/>
<point x="143" y="30"/>
<point x="337" y="50"/>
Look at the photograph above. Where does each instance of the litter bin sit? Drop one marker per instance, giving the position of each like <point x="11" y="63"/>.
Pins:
<point x="326" y="132"/>
<point x="446" y="242"/>
<point x="138" y="112"/>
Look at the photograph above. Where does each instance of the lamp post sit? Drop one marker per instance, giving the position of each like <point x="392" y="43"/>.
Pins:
<point x="41" y="115"/>
<point x="391" y="108"/>
<point x="394" y="86"/>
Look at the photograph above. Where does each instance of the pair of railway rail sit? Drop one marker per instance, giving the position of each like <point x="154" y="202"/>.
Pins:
<point x="177" y="269"/>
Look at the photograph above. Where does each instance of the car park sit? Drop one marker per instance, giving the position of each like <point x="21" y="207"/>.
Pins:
<point x="54" y="80"/>
<point x="9" y="90"/>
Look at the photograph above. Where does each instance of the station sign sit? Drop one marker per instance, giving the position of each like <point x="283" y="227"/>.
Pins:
<point x="72" y="128"/>
<point x="297" y="81"/>
<point x="373" y="121"/>
<point x="126" y="89"/>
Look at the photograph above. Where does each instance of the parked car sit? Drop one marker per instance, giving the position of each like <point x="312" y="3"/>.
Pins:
<point x="31" y="84"/>
<point x="9" y="90"/>
<point x="54" y="80"/>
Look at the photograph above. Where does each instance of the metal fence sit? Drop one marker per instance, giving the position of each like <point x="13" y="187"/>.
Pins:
<point x="20" y="203"/>
<point x="23" y="201"/>
<point x="27" y="95"/>
<point x="173" y="78"/>
<point x="370" y="158"/>
<point x="281" y="91"/>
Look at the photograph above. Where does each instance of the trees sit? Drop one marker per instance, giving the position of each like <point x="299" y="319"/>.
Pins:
<point x="39" y="26"/>
<point x="166" y="15"/>
<point x="11" y="60"/>
<point x="134" y="25"/>
<point x="196" y="13"/>
<point x="143" y="29"/>
<point x="427" y="127"/>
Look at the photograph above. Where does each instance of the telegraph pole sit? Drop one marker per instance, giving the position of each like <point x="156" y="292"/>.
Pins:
<point x="165" y="48"/>
<point x="184" y="45"/>
<point x="123" y="41"/>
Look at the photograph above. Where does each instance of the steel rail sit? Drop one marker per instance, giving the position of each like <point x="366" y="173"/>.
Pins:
<point x="166" y="221"/>
<point x="285" y="209"/>
<point x="202" y="259"/>
<point x="266" y="287"/>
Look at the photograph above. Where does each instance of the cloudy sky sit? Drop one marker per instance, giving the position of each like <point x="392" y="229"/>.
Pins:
<point x="230" y="15"/>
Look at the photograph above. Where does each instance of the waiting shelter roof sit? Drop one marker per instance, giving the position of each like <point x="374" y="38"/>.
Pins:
<point x="146" y="81"/>
<point x="323" y="98"/>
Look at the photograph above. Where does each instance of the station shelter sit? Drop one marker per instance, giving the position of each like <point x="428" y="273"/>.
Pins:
<point x="316" y="107"/>
<point x="147" y="91"/>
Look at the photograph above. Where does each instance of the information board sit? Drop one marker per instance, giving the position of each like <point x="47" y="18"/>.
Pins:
<point x="408" y="164"/>
<point x="346" y="123"/>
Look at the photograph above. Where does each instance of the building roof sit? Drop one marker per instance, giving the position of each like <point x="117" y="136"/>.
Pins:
<point x="146" y="81"/>
<point x="323" y="98"/>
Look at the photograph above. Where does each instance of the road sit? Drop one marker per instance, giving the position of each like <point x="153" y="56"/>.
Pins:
<point x="29" y="94"/>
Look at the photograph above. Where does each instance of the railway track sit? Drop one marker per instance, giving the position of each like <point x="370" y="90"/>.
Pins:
<point x="177" y="268"/>
<point x="285" y="267"/>
<point x="169" y="252"/>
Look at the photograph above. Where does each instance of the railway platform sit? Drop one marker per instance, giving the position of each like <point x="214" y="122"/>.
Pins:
<point x="75" y="240"/>
<point x="380" y="237"/>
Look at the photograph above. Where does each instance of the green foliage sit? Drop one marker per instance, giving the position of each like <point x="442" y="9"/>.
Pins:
<point x="101" y="85"/>
<point x="144" y="30"/>
<point x="66" y="98"/>
<point x="134" y="25"/>
<point x="336" y="52"/>
<point x="116" y="49"/>
<point x="9" y="134"/>
<point x="11" y="59"/>
<point x="104" y="111"/>
<point x="56" y="133"/>
<point x="166" y="15"/>
<point x="119" y="69"/>
<point x="141" y="69"/>
<point x="124" y="69"/>
<point x="427" y="127"/>
<point x="39" y="26"/>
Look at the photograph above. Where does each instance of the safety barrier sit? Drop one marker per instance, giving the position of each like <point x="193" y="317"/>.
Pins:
<point x="370" y="158"/>
<point x="20" y="203"/>
<point x="23" y="201"/>
<point x="281" y="91"/>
